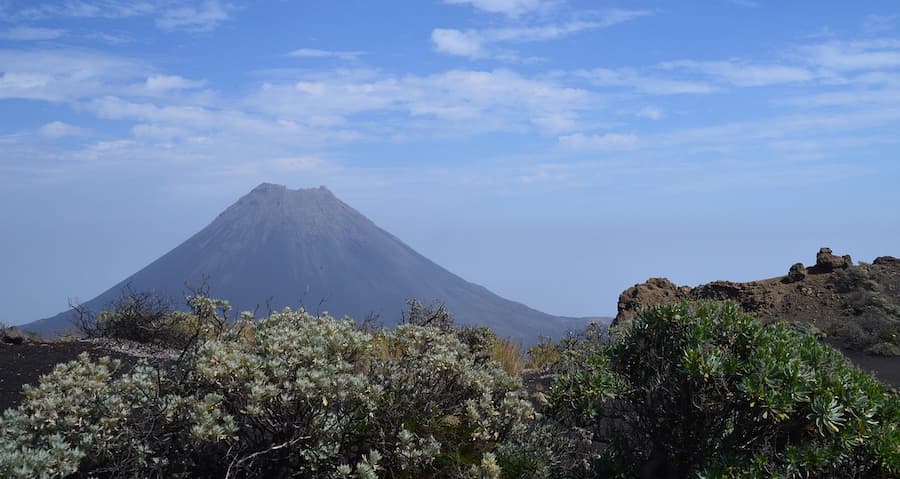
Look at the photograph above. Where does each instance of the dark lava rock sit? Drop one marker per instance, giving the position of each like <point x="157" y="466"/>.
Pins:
<point x="827" y="262"/>
<point x="887" y="261"/>
<point x="653" y="292"/>
<point x="796" y="273"/>
<point x="11" y="336"/>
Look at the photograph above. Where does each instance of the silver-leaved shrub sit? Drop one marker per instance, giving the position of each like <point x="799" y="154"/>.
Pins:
<point x="292" y="395"/>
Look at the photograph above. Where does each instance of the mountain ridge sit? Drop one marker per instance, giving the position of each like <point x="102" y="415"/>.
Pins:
<point x="853" y="306"/>
<point x="287" y="247"/>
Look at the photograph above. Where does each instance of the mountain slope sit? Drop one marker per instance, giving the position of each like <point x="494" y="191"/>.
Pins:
<point x="306" y="247"/>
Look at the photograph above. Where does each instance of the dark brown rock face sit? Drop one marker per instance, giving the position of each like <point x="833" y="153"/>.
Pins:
<point x="805" y="292"/>
<point x="654" y="291"/>
<point x="855" y="308"/>
<point x="827" y="262"/>
<point x="796" y="273"/>
<point x="887" y="261"/>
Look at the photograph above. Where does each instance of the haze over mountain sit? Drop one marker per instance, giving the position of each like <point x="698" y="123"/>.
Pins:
<point x="307" y="247"/>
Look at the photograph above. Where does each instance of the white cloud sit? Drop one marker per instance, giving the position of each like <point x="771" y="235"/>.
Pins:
<point x="58" y="129"/>
<point x="743" y="74"/>
<point x="512" y="8"/>
<point x="297" y="164"/>
<point x="853" y="56"/>
<point x="31" y="34"/>
<point x="110" y="38"/>
<point x="64" y="74"/>
<point x="159" y="132"/>
<point x="162" y="83"/>
<point x="201" y="17"/>
<point x="316" y="53"/>
<point x="650" y="112"/>
<point x="553" y="173"/>
<point x="879" y="23"/>
<point x="608" y="141"/>
<point x="184" y="15"/>
<point x="885" y="97"/>
<point x="83" y="9"/>
<point x="455" y="42"/>
<point x="653" y="85"/>
<point x="477" y="43"/>
<point x="453" y="101"/>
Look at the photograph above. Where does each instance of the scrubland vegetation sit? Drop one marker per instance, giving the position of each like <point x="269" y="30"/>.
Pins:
<point x="685" y="391"/>
<point x="873" y="301"/>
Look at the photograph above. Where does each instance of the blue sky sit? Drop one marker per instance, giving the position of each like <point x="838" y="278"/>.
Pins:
<point x="554" y="151"/>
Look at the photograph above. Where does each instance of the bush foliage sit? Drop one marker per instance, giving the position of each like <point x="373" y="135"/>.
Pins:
<point x="302" y="396"/>
<point x="708" y="391"/>
<point x="686" y="391"/>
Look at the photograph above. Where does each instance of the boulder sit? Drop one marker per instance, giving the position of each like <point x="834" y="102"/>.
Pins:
<point x="796" y="273"/>
<point x="887" y="261"/>
<point x="827" y="262"/>
<point x="11" y="336"/>
<point x="654" y="291"/>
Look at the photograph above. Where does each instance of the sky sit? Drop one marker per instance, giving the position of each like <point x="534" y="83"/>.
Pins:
<point x="554" y="151"/>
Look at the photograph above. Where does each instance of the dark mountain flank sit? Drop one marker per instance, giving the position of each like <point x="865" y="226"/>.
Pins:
<point x="285" y="247"/>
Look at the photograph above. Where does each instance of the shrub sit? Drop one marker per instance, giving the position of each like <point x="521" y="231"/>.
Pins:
<point x="543" y="354"/>
<point x="148" y="318"/>
<point x="481" y="341"/>
<point x="290" y="395"/>
<point x="707" y="390"/>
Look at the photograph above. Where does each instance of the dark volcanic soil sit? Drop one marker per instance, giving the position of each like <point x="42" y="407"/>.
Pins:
<point x="25" y="363"/>
<point x="885" y="368"/>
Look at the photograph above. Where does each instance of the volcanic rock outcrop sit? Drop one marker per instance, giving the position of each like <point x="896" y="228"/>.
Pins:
<point x="857" y="306"/>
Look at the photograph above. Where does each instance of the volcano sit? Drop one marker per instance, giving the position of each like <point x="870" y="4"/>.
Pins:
<point x="279" y="247"/>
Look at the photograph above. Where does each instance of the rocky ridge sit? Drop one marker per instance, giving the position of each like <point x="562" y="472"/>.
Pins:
<point x="857" y="307"/>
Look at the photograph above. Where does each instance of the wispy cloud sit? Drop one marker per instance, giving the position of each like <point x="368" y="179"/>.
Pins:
<point x="880" y="23"/>
<point x="453" y="101"/>
<point x="169" y="15"/>
<point x="64" y="74"/>
<point x="297" y="163"/>
<point x="480" y="43"/>
<point x="607" y="141"/>
<point x="110" y="38"/>
<point x="57" y="129"/>
<point x="200" y="17"/>
<point x="742" y="73"/>
<point x="853" y="56"/>
<point x="31" y="34"/>
<point x="647" y="83"/>
<point x="650" y="112"/>
<point x="316" y="53"/>
<point x="163" y="83"/>
<point x="511" y="8"/>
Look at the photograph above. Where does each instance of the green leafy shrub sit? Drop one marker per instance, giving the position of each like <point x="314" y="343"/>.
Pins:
<point x="289" y="395"/>
<point x="708" y="391"/>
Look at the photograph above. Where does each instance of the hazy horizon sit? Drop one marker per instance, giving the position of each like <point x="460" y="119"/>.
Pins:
<point x="555" y="152"/>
